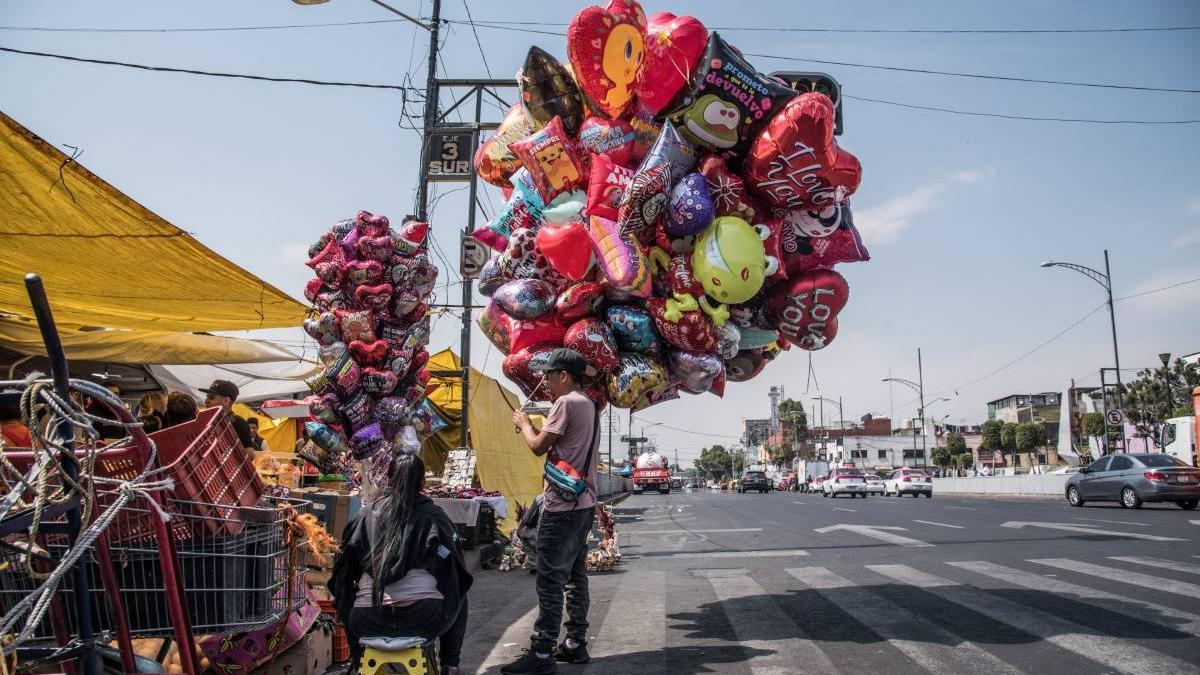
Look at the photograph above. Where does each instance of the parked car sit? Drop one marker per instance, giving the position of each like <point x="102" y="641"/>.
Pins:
<point x="844" y="481"/>
<point x="814" y="485"/>
<point x="874" y="484"/>
<point x="908" y="481"/>
<point x="754" y="481"/>
<point x="1131" y="479"/>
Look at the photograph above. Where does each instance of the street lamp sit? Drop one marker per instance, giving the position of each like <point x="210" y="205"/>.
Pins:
<point x="382" y="4"/>
<point x="841" y="416"/>
<point x="1105" y="280"/>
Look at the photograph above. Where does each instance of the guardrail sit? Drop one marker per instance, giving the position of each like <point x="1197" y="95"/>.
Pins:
<point x="1029" y="484"/>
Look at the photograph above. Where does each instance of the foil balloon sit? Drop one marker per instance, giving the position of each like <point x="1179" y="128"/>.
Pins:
<point x="322" y="241"/>
<point x="549" y="91"/>
<point x="519" y="367"/>
<point x="805" y="308"/>
<point x="645" y="131"/>
<point x="544" y="330"/>
<point x="695" y="371"/>
<point x="426" y="420"/>
<point x="672" y="150"/>
<point x="376" y="298"/>
<point x="566" y="208"/>
<point x="376" y="248"/>
<point x="494" y="162"/>
<point x="329" y="263"/>
<point x="391" y="411"/>
<point x="578" y="301"/>
<point x="607" y="185"/>
<point x="522" y="259"/>
<point x="495" y="325"/>
<point x="356" y="325"/>
<point x="593" y="339"/>
<point x="523" y="210"/>
<point x="820" y="239"/>
<point x="415" y="272"/>
<point x="567" y="248"/>
<point x="757" y="338"/>
<point x="372" y="225"/>
<point x="331" y="301"/>
<point x="607" y="138"/>
<point x="796" y="163"/>
<point x="490" y="277"/>
<point x="324" y="408"/>
<point x="323" y="328"/>
<point x="315" y="287"/>
<point x="752" y="313"/>
<point x="368" y="353"/>
<point x="745" y="366"/>
<point x="622" y="260"/>
<point x="727" y="189"/>
<point x="549" y="156"/>
<point x="674" y="45"/>
<point x="378" y="383"/>
<point x="633" y="328"/>
<point x="329" y="354"/>
<point x="525" y="299"/>
<point x="356" y="410"/>
<point x="690" y="208"/>
<point x="691" y="331"/>
<point x="643" y="203"/>
<point x="730" y="261"/>
<point x="634" y="377"/>
<point x="605" y="46"/>
<point x="729" y="338"/>
<point x="410" y="237"/>
<point x="660" y="394"/>
<point x="730" y="102"/>
<point x="364" y="272"/>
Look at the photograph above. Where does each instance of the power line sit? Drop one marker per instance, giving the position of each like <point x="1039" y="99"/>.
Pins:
<point x="972" y="113"/>
<point x="207" y="29"/>
<point x="207" y="73"/>
<point x="1156" y="290"/>
<point x="478" y="43"/>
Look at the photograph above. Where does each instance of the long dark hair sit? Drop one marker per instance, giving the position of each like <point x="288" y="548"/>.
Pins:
<point x="407" y="477"/>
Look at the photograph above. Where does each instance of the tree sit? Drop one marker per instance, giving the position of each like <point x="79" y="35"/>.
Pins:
<point x="941" y="457"/>
<point x="782" y="454"/>
<point x="990" y="432"/>
<point x="792" y="420"/>
<point x="1028" y="437"/>
<point x="964" y="460"/>
<point x="955" y="443"/>
<point x="1008" y="440"/>
<point x="1147" y="401"/>
<point x="714" y="462"/>
<point x="1091" y="425"/>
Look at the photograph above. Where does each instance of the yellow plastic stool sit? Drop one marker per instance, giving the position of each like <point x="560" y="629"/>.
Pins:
<point x="404" y="655"/>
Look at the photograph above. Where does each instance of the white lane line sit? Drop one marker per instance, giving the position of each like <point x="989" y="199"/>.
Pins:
<point x="960" y="508"/>
<point x="1126" y="605"/>
<point x="799" y="502"/>
<point x="846" y="510"/>
<point x="1158" y="562"/>
<point x="1194" y="522"/>
<point x="510" y="644"/>
<point x="930" y="522"/>
<point x="880" y="532"/>
<point x="763" y="616"/>
<point x="1122" y="576"/>
<point x="938" y="651"/>
<point x="1125" y="656"/>
<point x="1118" y="522"/>
<point x="635" y="622"/>
<point x="683" y="531"/>
<point x="1087" y="529"/>
<point x="772" y="553"/>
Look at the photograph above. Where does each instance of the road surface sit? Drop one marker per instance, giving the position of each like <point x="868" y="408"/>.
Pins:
<point x="793" y="583"/>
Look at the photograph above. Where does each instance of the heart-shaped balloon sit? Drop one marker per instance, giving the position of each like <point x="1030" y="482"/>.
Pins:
<point x="593" y="339"/>
<point x="379" y="249"/>
<point x="609" y="138"/>
<point x="490" y="277"/>
<point x="796" y="163"/>
<point x="324" y="408"/>
<point x="692" y="331"/>
<point x="371" y="225"/>
<point x="674" y="45"/>
<point x="379" y="383"/>
<point x="391" y="411"/>
<point x="819" y="239"/>
<point x="369" y="353"/>
<point x="323" y="328"/>
<point x="690" y="208"/>
<point x="376" y="298"/>
<point x="634" y="377"/>
<point x="331" y="301"/>
<point x="329" y="354"/>
<point x="549" y="91"/>
<point x="313" y="288"/>
<point x="496" y="325"/>
<point x="322" y="241"/>
<point x="644" y="202"/>
<point x="579" y="301"/>
<point x="525" y="299"/>
<point x="607" y="186"/>
<point x="356" y="325"/>
<point x="805" y="308"/>
<point x="364" y="272"/>
<point x="368" y="441"/>
<point x="605" y="46"/>
<point x="660" y="394"/>
<point x="544" y="330"/>
<point x="633" y="328"/>
<point x="523" y="260"/>
<point x="568" y="248"/>
<point x="329" y="263"/>
<point x="695" y="371"/>
<point x="519" y="367"/>
<point x="494" y="162"/>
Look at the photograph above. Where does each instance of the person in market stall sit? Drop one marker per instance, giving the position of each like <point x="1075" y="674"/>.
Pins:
<point x="223" y="394"/>
<point x="570" y="435"/>
<point x="259" y="443"/>
<point x="16" y="434"/>
<point x="401" y="570"/>
<point x="181" y="408"/>
<point x="152" y="411"/>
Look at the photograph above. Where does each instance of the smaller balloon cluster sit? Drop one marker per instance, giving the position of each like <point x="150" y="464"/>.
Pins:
<point x="672" y="214"/>
<point x="371" y="323"/>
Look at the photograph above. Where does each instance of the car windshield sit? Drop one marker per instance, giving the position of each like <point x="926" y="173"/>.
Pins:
<point x="874" y="479"/>
<point x="1160" y="460"/>
<point x="753" y="475"/>
<point x="849" y="474"/>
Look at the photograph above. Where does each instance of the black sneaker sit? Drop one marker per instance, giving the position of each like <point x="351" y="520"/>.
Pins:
<point x="530" y="664"/>
<point x="564" y="654"/>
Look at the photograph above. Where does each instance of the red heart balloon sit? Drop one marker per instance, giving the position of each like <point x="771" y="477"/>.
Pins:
<point x="568" y="248"/>
<point x="674" y="45"/>
<point x="544" y="330"/>
<point x="605" y="46"/>
<point x="579" y="301"/>
<point x="796" y="163"/>
<point x="518" y="368"/>
<point x="805" y="308"/>
<point x="368" y="353"/>
<point x="692" y="332"/>
<point x="376" y="297"/>
<point x="595" y="341"/>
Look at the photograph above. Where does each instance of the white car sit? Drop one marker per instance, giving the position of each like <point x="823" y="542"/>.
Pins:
<point x="848" y="481"/>
<point x="908" y="481"/>
<point x="874" y="484"/>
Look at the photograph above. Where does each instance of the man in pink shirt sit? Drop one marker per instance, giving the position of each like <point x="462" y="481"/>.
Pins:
<point x="570" y="435"/>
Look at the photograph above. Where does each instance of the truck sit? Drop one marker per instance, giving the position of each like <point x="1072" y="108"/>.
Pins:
<point x="650" y="473"/>
<point x="810" y="469"/>
<point x="1179" y="434"/>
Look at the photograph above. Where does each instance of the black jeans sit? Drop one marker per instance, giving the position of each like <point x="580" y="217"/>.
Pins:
<point x="424" y="618"/>
<point x="562" y="565"/>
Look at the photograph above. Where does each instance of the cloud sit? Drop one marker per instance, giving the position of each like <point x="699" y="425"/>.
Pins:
<point x="1186" y="239"/>
<point x="294" y="254"/>
<point x="1148" y="296"/>
<point x="884" y="223"/>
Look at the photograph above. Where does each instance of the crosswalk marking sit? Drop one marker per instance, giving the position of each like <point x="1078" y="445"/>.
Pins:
<point x="1129" y="606"/>
<point x="1122" y="655"/>
<point x="769" y="553"/>
<point x="634" y="623"/>
<point x="685" y="531"/>
<point x="930" y="522"/>
<point x="775" y="657"/>
<point x="940" y="652"/>
<point x="1159" y="563"/>
<point x="1123" y="576"/>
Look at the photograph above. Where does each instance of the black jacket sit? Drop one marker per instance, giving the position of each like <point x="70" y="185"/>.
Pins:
<point x="429" y="528"/>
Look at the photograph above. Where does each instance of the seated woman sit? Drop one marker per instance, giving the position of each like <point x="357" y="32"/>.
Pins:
<point x="400" y="572"/>
<point x="152" y="411"/>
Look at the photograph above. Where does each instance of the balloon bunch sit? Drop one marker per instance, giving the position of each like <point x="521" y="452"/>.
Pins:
<point x="372" y="324"/>
<point x="672" y="214"/>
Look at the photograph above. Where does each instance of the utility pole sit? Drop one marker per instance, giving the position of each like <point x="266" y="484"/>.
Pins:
<point x="921" y="394"/>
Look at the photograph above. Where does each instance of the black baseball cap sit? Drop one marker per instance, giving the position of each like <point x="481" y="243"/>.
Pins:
<point x="223" y="388"/>
<point x="564" y="359"/>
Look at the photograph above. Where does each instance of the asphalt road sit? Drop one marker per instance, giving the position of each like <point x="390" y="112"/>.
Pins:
<point x="793" y="583"/>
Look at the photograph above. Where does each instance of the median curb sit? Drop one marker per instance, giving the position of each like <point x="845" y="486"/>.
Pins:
<point x="1001" y="497"/>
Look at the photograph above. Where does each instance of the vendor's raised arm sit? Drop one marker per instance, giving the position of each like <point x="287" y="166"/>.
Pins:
<point x="539" y="442"/>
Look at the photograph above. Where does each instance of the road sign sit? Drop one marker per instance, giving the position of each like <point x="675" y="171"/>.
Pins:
<point x="472" y="256"/>
<point x="1115" y="417"/>
<point x="448" y="155"/>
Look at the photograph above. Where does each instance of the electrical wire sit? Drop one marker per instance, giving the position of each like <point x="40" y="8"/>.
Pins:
<point x="971" y="113"/>
<point x="478" y="43"/>
<point x="1156" y="290"/>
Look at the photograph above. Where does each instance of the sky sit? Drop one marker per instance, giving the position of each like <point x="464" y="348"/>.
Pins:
<point x="957" y="211"/>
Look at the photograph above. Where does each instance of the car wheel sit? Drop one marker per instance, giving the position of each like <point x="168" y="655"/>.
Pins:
<point x="824" y="494"/>
<point x="1189" y="504"/>
<point x="1073" y="496"/>
<point x="929" y="495"/>
<point x="1130" y="499"/>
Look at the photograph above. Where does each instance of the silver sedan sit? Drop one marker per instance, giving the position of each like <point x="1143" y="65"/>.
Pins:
<point x="1131" y="479"/>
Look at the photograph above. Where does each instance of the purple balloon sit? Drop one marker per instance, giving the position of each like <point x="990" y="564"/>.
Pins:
<point x="690" y="208"/>
<point x="695" y="371"/>
<point x="490" y="278"/>
<point x="525" y="299"/>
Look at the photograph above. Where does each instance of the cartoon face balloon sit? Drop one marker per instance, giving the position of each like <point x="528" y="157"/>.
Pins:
<point x="730" y="261"/>
<point x="549" y="91"/>
<point x="820" y="239"/>
<point x="805" y="308"/>
<point x="549" y="155"/>
<point x="494" y="162"/>
<point x="605" y="46"/>
<point x="634" y="377"/>
<point x="633" y="328"/>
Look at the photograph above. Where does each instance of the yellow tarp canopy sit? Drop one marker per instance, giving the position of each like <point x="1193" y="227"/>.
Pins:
<point x="280" y="434"/>
<point x="140" y="347"/>
<point x="107" y="260"/>
<point x="502" y="460"/>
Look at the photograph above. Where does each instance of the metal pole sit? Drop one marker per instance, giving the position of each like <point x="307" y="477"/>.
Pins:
<point x="464" y="437"/>
<point x="841" y="425"/>
<point x="921" y="393"/>
<point x="610" y="443"/>
<point x="431" y="106"/>
<point x="1112" y="320"/>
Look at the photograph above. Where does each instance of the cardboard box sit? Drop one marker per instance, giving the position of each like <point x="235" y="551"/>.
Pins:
<point x="310" y="656"/>
<point x="332" y="509"/>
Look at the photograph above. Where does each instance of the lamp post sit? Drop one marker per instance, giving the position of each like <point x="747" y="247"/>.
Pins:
<point x="841" y="426"/>
<point x="1105" y="280"/>
<point x="1165" y="357"/>
<point x="919" y="387"/>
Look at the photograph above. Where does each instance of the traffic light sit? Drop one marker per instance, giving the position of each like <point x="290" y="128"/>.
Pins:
<point x="819" y="82"/>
